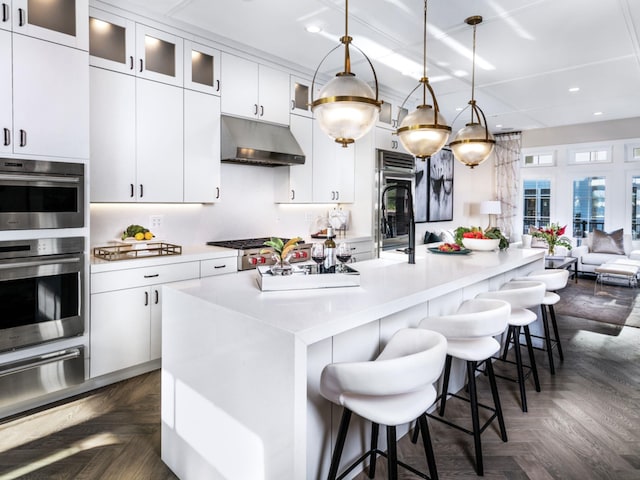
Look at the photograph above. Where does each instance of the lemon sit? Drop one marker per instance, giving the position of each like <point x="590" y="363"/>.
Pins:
<point x="148" y="235"/>
<point x="139" y="236"/>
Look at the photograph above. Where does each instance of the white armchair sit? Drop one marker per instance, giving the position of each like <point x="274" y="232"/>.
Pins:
<point x="588" y="259"/>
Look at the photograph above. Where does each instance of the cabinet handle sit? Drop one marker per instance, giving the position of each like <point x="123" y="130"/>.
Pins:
<point x="130" y="62"/>
<point x="141" y="191"/>
<point x="5" y="12"/>
<point x="152" y="276"/>
<point x="293" y="105"/>
<point x="337" y="195"/>
<point x="219" y="266"/>
<point x="217" y="192"/>
<point x="333" y="195"/>
<point x="21" y="17"/>
<point x="217" y="85"/>
<point x="261" y="110"/>
<point x="23" y="138"/>
<point x="7" y="137"/>
<point x="255" y="109"/>
<point x="146" y="298"/>
<point x="132" y="190"/>
<point x="141" y="65"/>
<point x="293" y="194"/>
<point x="157" y="296"/>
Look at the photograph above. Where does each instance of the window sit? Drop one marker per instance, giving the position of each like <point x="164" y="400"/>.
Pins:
<point x="591" y="155"/>
<point x="539" y="159"/>
<point x="536" y="200"/>
<point x="635" y="208"/>
<point x="632" y="153"/>
<point x="588" y="205"/>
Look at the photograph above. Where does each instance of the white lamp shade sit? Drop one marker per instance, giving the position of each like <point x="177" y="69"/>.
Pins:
<point x="490" y="207"/>
<point x="419" y="133"/>
<point x="473" y="144"/>
<point x="346" y="108"/>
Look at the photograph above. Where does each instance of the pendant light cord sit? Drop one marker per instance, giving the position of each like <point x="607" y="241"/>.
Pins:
<point x="346" y="40"/>
<point x="424" y="56"/>
<point x="473" y="66"/>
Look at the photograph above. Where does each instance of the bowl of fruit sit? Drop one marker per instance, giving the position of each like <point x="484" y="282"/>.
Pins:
<point x="478" y="241"/>
<point x="449" y="248"/>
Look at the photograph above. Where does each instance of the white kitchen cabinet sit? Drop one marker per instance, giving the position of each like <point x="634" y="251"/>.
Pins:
<point x="201" y="68"/>
<point x="136" y="139"/>
<point x="361" y="250"/>
<point x="254" y="91"/>
<point x="126" y="314"/>
<point x="59" y="21"/>
<point x="201" y="147"/>
<point x="333" y="169"/>
<point x="50" y="99"/>
<point x="159" y="142"/>
<point x="294" y="184"/>
<point x="125" y="46"/>
<point x="300" y="96"/>
<point x="218" y="266"/>
<point x="6" y="93"/>
<point x="387" y="140"/>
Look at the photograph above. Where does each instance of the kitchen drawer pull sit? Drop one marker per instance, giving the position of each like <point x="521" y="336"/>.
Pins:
<point x="293" y="194"/>
<point x="255" y="109"/>
<point x="157" y="296"/>
<point x="132" y="190"/>
<point x="337" y="195"/>
<point x="141" y="191"/>
<point x="220" y="266"/>
<point x="5" y="12"/>
<point x="152" y="276"/>
<point x="23" y="138"/>
<point x="21" y="17"/>
<point x="146" y="298"/>
<point x="217" y="192"/>
<point x="7" y="137"/>
<point x="43" y="360"/>
<point x="131" y="66"/>
<point x="261" y="110"/>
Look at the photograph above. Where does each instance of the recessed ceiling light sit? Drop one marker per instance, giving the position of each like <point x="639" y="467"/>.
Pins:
<point x="313" y="29"/>
<point x="574" y="89"/>
<point x="460" y="73"/>
<point x="499" y="125"/>
<point x="597" y="113"/>
<point x="459" y="109"/>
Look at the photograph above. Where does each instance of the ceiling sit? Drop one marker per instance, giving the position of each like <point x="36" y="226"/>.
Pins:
<point x="529" y="52"/>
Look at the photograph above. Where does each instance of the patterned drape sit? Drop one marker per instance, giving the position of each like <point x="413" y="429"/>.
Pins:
<point x="507" y="179"/>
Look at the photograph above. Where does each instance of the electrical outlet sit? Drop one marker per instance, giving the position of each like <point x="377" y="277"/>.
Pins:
<point x="155" y="222"/>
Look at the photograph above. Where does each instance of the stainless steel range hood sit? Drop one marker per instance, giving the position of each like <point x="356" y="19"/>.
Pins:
<point x="257" y="143"/>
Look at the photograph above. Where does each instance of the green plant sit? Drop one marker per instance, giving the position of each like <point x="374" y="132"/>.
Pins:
<point x="492" y="232"/>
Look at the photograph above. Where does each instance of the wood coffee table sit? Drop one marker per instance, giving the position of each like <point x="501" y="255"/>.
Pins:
<point x="563" y="262"/>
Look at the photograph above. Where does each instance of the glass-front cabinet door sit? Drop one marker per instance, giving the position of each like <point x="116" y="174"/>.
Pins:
<point x="58" y="21"/>
<point x="201" y="68"/>
<point x="111" y="42"/>
<point x="300" y="96"/>
<point x="159" y="55"/>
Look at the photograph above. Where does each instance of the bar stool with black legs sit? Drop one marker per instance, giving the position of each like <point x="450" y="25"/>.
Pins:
<point x="394" y="389"/>
<point x="521" y="295"/>
<point x="554" y="279"/>
<point x="470" y="333"/>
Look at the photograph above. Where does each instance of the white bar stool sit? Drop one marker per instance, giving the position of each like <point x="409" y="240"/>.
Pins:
<point x="470" y="333"/>
<point x="521" y="295"/>
<point x="395" y="388"/>
<point x="554" y="279"/>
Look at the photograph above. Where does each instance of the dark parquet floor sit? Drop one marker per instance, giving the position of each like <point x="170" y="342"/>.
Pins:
<point x="585" y="424"/>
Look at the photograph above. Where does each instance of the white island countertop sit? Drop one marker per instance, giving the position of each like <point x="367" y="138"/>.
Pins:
<point x="387" y="285"/>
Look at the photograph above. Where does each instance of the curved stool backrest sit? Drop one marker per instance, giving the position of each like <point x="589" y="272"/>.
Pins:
<point x="553" y="278"/>
<point x="519" y="293"/>
<point x="473" y="319"/>
<point x="413" y="358"/>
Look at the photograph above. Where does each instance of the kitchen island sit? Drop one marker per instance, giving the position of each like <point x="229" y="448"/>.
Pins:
<point x="241" y="367"/>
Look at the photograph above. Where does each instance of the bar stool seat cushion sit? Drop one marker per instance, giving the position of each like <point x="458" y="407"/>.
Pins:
<point x="522" y="316"/>
<point x="474" y="350"/>
<point x="550" y="298"/>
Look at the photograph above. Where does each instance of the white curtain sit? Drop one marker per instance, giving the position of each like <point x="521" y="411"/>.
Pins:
<point x="507" y="180"/>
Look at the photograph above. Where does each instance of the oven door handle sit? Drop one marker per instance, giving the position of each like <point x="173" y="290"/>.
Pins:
<point x="44" y="360"/>
<point x="38" y="178"/>
<point x="38" y="262"/>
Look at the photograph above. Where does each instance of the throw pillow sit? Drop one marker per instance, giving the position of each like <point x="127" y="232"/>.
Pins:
<point x="603" y="242"/>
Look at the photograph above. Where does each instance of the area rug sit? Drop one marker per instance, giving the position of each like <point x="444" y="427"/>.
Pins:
<point x="615" y="304"/>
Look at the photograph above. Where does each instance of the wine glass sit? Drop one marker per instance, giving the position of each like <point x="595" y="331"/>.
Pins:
<point x="318" y="254"/>
<point x="343" y="254"/>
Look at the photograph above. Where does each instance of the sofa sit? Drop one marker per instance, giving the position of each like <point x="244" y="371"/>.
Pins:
<point x="600" y="247"/>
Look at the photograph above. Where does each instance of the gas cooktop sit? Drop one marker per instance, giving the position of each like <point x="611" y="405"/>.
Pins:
<point x="243" y="244"/>
<point x="249" y="249"/>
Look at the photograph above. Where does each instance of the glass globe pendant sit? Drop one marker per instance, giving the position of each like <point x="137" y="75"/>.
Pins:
<point x="473" y="143"/>
<point x="424" y="131"/>
<point x="346" y="107"/>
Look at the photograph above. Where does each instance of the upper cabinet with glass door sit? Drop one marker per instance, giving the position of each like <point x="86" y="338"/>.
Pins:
<point x="122" y="45"/>
<point x="58" y="21"/>
<point x="201" y="68"/>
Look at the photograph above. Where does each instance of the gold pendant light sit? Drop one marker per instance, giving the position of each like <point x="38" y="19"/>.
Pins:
<point x="424" y="131"/>
<point x="473" y="143"/>
<point x="347" y="108"/>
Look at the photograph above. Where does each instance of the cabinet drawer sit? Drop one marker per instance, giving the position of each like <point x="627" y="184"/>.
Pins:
<point x="140" y="277"/>
<point x="218" y="266"/>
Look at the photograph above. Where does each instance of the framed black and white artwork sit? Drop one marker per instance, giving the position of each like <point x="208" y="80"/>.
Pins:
<point x="420" y="197"/>
<point x="440" y="187"/>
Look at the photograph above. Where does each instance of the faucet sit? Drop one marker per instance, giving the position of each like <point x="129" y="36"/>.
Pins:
<point x="411" y="249"/>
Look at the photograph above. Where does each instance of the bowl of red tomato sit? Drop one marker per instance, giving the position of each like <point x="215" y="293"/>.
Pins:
<point x="478" y="241"/>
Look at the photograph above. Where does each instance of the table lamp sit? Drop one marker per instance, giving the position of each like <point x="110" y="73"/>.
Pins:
<point x="490" y="207"/>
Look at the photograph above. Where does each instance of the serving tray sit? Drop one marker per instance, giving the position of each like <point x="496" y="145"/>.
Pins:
<point x="125" y="251"/>
<point x="462" y="251"/>
<point x="304" y="277"/>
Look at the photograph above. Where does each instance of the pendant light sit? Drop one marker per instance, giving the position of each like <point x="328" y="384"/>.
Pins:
<point x="424" y="131"/>
<point x="473" y="143"/>
<point x="346" y="108"/>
